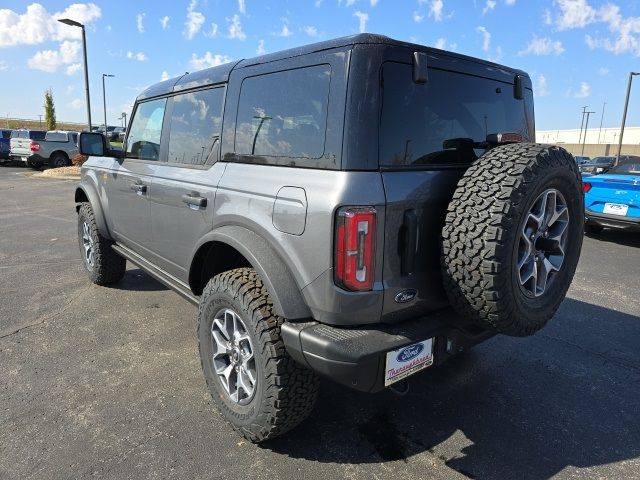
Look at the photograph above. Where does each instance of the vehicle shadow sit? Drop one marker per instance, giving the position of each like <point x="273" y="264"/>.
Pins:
<point x="511" y="408"/>
<point x="137" y="280"/>
<point x="628" y="239"/>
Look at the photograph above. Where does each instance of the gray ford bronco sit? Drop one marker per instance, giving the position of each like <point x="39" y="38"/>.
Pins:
<point x="358" y="209"/>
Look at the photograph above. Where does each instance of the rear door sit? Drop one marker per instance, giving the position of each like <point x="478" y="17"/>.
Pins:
<point x="428" y="135"/>
<point x="184" y="187"/>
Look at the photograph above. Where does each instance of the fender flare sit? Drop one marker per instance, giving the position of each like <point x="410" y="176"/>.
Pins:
<point x="93" y="198"/>
<point x="286" y="296"/>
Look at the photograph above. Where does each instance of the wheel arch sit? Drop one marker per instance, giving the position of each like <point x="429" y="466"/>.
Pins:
<point x="233" y="246"/>
<point x="86" y="193"/>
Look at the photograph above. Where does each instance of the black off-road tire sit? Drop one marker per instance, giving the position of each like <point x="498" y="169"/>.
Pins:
<point x="482" y="231"/>
<point x="591" y="228"/>
<point x="33" y="166"/>
<point x="58" y="160"/>
<point x="285" y="392"/>
<point x="108" y="267"/>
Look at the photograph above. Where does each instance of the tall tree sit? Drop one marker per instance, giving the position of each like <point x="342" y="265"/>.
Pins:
<point x="49" y="110"/>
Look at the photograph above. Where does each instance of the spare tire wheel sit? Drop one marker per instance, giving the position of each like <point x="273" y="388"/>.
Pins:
<point x="512" y="237"/>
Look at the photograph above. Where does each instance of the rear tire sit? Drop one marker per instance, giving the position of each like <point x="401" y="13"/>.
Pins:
<point x="103" y="265"/>
<point x="283" y="392"/>
<point x="58" y="160"/>
<point x="512" y="237"/>
<point x="33" y="166"/>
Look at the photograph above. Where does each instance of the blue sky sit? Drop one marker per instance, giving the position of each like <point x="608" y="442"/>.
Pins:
<point x="578" y="52"/>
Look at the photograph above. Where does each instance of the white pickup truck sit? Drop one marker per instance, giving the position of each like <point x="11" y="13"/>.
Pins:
<point x="36" y="148"/>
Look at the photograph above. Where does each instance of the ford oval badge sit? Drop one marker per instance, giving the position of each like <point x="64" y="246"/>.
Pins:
<point x="412" y="351"/>
<point x="406" y="295"/>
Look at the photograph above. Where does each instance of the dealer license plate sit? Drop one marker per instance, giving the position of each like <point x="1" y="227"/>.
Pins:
<point x="615" y="209"/>
<point x="408" y="360"/>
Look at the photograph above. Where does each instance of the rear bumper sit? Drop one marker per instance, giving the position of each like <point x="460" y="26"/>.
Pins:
<point x="612" y="221"/>
<point x="356" y="357"/>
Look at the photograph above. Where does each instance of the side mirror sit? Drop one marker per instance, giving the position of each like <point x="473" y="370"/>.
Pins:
<point x="93" y="144"/>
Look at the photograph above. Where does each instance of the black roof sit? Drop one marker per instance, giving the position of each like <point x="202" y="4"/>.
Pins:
<point x="221" y="73"/>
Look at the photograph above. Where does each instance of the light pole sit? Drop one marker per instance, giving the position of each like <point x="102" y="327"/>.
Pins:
<point x="104" y="101"/>
<point x="585" y="131"/>
<point x="601" y="118"/>
<point x="624" y="115"/>
<point x="581" y="124"/>
<point x="124" y="119"/>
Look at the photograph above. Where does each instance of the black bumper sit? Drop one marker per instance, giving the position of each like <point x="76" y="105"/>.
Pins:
<point x="356" y="357"/>
<point x="612" y="221"/>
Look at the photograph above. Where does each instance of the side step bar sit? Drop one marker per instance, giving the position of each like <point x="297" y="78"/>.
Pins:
<point x="163" y="277"/>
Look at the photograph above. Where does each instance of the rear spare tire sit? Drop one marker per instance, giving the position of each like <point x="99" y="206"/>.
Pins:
<point x="512" y="237"/>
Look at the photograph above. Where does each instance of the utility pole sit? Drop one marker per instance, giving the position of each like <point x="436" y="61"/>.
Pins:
<point x="624" y="115"/>
<point x="40" y="115"/>
<point x="584" y="109"/>
<point x="104" y="101"/>
<point x="585" y="131"/>
<point x="601" y="118"/>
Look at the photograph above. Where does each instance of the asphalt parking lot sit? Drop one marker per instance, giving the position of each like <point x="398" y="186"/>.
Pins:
<point x="106" y="382"/>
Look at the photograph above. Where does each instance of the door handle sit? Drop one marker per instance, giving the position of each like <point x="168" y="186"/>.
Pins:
<point x="139" y="188"/>
<point x="194" y="199"/>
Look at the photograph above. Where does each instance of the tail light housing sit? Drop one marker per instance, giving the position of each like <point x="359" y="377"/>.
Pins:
<point x="34" y="146"/>
<point x="355" y="242"/>
<point x="586" y="186"/>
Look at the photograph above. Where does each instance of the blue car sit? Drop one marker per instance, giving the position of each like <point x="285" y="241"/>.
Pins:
<point x="612" y="199"/>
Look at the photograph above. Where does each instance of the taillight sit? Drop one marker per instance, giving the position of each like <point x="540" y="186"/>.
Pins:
<point x="355" y="247"/>
<point x="34" y="146"/>
<point x="586" y="186"/>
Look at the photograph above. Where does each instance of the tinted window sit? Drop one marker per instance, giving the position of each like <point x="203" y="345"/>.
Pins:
<point x="6" y="133"/>
<point x="196" y="122"/>
<point x="284" y="114"/>
<point x="442" y="121"/>
<point x="36" y="135"/>
<point x="627" y="166"/>
<point x="74" y="137"/>
<point x="56" y="137"/>
<point x="146" y="127"/>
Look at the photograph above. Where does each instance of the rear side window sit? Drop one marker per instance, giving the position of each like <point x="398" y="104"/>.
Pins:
<point x="74" y="137"/>
<point x="627" y="166"/>
<point x="37" y="135"/>
<point x="56" y="137"/>
<point x="443" y="121"/>
<point x="196" y="122"/>
<point x="284" y="114"/>
<point x="146" y="127"/>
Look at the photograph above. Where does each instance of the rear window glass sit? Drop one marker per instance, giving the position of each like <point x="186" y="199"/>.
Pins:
<point x="284" y="114"/>
<point x="56" y="137"/>
<point x="196" y="123"/>
<point x="627" y="166"/>
<point x="444" y="121"/>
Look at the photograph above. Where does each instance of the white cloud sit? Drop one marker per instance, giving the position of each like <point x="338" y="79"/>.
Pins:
<point x="76" y="104"/>
<point x="3" y="66"/>
<point x="194" y="22"/>
<point x="486" y="38"/>
<point x="242" y="7"/>
<point x="363" y="18"/>
<point x="542" y="89"/>
<point x="49" y="60"/>
<point x="36" y="25"/>
<point x="417" y="17"/>
<point x="74" y="68"/>
<point x="213" y="33"/>
<point x="510" y="2"/>
<point x="373" y="2"/>
<point x="440" y="43"/>
<point x="497" y="56"/>
<point x="235" y="28"/>
<point x="489" y="5"/>
<point x="139" y="22"/>
<point x="70" y="89"/>
<point x="164" y="21"/>
<point x="285" y="32"/>
<point x="348" y="3"/>
<point x="139" y="56"/>
<point x="208" y="60"/>
<point x="310" y="30"/>
<point x="626" y="32"/>
<point x="318" y="3"/>
<point x="542" y="46"/>
<point x="260" y="50"/>
<point x="164" y="76"/>
<point x="435" y="9"/>
<point x="547" y="18"/>
<point x="574" y="14"/>
<point x="584" y="92"/>
<point x="603" y="71"/>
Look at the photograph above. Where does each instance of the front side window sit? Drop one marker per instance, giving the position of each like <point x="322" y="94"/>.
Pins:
<point x="146" y="128"/>
<point x="284" y="114"/>
<point x="444" y="121"/>
<point x="196" y="123"/>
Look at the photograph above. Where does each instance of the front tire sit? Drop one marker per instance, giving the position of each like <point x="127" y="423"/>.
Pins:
<point x="258" y="388"/>
<point x="103" y="265"/>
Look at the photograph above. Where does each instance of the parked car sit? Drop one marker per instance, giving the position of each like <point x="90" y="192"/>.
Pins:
<point x="116" y="134"/>
<point x="5" y="145"/>
<point x="337" y="210"/>
<point x="612" y="199"/>
<point x="56" y="149"/>
<point x="20" y="144"/>
<point x="581" y="159"/>
<point x="598" y="165"/>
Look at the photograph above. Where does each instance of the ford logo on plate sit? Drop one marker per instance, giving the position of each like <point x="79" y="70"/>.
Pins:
<point x="410" y="352"/>
<point x="406" y="296"/>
